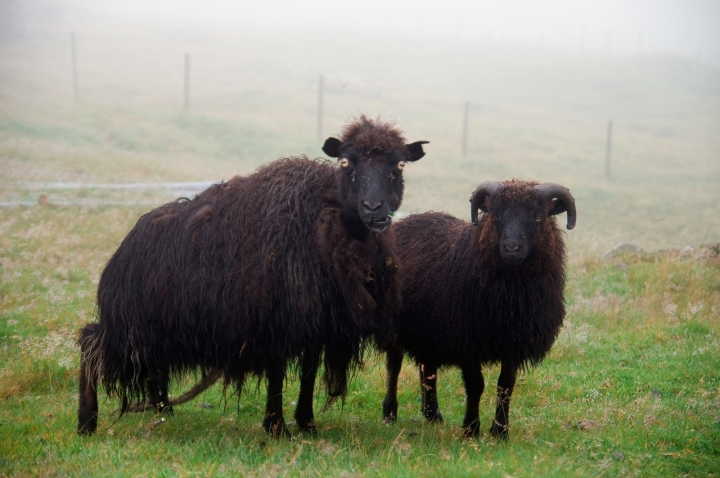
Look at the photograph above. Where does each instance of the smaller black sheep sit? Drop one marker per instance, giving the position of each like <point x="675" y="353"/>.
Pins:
<point x="480" y="293"/>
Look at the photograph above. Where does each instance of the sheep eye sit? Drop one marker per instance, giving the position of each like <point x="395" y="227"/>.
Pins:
<point x="401" y="165"/>
<point x="538" y="219"/>
<point x="344" y="162"/>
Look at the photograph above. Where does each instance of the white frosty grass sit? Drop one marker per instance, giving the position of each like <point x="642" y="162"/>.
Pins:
<point x="572" y="334"/>
<point x="673" y="313"/>
<point x="592" y="395"/>
<point x="695" y="308"/>
<point x="56" y="346"/>
<point x="713" y="344"/>
<point x="596" y="304"/>
<point x="67" y="363"/>
<point x="670" y="308"/>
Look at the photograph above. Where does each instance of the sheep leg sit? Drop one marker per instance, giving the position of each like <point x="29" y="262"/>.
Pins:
<point x="88" y="407"/>
<point x="506" y="383"/>
<point x="428" y="390"/>
<point x="393" y="364"/>
<point x="274" y="422"/>
<point x="474" y="387"/>
<point x="158" y="389"/>
<point x="304" y="415"/>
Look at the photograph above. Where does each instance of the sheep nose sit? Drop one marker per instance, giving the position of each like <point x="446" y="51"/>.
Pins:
<point x="372" y="206"/>
<point x="512" y="248"/>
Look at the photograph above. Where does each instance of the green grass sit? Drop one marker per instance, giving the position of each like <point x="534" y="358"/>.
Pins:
<point x="631" y="387"/>
<point x="637" y="360"/>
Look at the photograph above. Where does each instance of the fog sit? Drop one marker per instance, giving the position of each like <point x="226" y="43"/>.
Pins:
<point x="540" y="82"/>
<point x="686" y="27"/>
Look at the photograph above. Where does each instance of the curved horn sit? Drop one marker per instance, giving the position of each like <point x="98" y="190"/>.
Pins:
<point x="563" y="201"/>
<point x="477" y="199"/>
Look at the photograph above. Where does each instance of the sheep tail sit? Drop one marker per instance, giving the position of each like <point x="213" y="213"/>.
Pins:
<point x="205" y="382"/>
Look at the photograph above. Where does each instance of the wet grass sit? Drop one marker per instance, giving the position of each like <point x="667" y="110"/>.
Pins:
<point x="631" y="386"/>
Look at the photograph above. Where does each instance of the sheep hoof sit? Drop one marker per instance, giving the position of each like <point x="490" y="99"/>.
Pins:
<point x="472" y="430"/>
<point x="308" y="428"/>
<point x="87" y="420"/>
<point x="389" y="411"/>
<point x="434" y="417"/>
<point x="276" y="429"/>
<point x="164" y="408"/>
<point x="88" y="425"/>
<point x="500" y="431"/>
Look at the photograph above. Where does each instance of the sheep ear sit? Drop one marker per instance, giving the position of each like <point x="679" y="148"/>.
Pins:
<point x="332" y="147"/>
<point x="415" y="150"/>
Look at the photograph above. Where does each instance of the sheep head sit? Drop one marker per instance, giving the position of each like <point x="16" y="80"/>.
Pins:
<point x="371" y="157"/>
<point x="517" y="211"/>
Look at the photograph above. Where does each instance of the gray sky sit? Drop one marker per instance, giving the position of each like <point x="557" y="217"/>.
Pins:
<point x="622" y="26"/>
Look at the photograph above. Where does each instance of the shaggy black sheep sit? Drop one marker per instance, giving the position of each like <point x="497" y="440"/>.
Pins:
<point x="287" y="265"/>
<point x="480" y="293"/>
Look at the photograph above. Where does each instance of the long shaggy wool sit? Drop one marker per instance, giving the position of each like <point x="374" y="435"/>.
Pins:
<point x="462" y="304"/>
<point x="245" y="275"/>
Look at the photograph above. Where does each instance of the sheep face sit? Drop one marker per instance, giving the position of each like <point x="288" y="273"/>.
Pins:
<point x="516" y="228"/>
<point x="519" y="212"/>
<point x="372" y="186"/>
<point x="371" y="157"/>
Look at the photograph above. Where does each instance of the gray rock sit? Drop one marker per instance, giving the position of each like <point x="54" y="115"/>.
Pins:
<point x="621" y="249"/>
<point x="685" y="251"/>
<point x="708" y="251"/>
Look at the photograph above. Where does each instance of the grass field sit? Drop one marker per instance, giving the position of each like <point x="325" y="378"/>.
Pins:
<point x="632" y="385"/>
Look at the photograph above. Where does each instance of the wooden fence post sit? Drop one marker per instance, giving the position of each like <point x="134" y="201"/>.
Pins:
<point x="608" y="147"/>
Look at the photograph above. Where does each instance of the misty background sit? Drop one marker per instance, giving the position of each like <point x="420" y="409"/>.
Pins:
<point x="500" y="89"/>
<point x="689" y="28"/>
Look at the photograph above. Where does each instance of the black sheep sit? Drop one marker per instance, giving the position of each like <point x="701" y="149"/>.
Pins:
<point x="480" y="293"/>
<point x="287" y="265"/>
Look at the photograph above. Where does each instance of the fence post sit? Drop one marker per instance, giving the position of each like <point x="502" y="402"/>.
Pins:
<point x="74" y="66"/>
<point x="186" y="101"/>
<point x="321" y="82"/>
<point x="465" y="128"/>
<point x="608" y="147"/>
